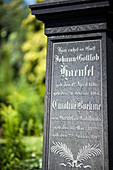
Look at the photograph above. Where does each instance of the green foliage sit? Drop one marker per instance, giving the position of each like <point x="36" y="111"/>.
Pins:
<point x="33" y="144"/>
<point x="34" y="153"/>
<point x="22" y="85"/>
<point x="12" y="14"/>
<point x="22" y="71"/>
<point x="29" y="127"/>
<point x="30" y="164"/>
<point x="25" y="99"/>
<point x="13" y="150"/>
<point x="11" y="121"/>
<point x="12" y="35"/>
<point x="35" y="51"/>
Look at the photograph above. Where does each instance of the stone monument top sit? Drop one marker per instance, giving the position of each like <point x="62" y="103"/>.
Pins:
<point x="66" y="9"/>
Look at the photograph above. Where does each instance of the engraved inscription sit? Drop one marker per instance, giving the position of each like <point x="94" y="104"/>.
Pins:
<point x="76" y="119"/>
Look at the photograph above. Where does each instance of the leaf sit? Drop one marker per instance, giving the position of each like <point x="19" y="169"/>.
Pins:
<point x="62" y="164"/>
<point x="62" y="150"/>
<point x="87" y="152"/>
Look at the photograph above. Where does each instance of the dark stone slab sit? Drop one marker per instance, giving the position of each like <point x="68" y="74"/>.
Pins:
<point x="78" y="117"/>
<point x="67" y="9"/>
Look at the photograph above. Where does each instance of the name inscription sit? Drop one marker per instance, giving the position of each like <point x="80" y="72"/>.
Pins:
<point x="76" y="118"/>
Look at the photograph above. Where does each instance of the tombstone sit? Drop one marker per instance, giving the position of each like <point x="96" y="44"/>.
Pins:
<point x="78" y="117"/>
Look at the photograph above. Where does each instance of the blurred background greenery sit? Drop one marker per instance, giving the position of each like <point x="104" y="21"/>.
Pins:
<point x="22" y="86"/>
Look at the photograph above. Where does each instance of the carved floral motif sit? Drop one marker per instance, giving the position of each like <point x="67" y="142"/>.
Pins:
<point x="84" y="154"/>
<point x="75" y="28"/>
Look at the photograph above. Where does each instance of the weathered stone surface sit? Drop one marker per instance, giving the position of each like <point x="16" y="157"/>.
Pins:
<point x="78" y="119"/>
